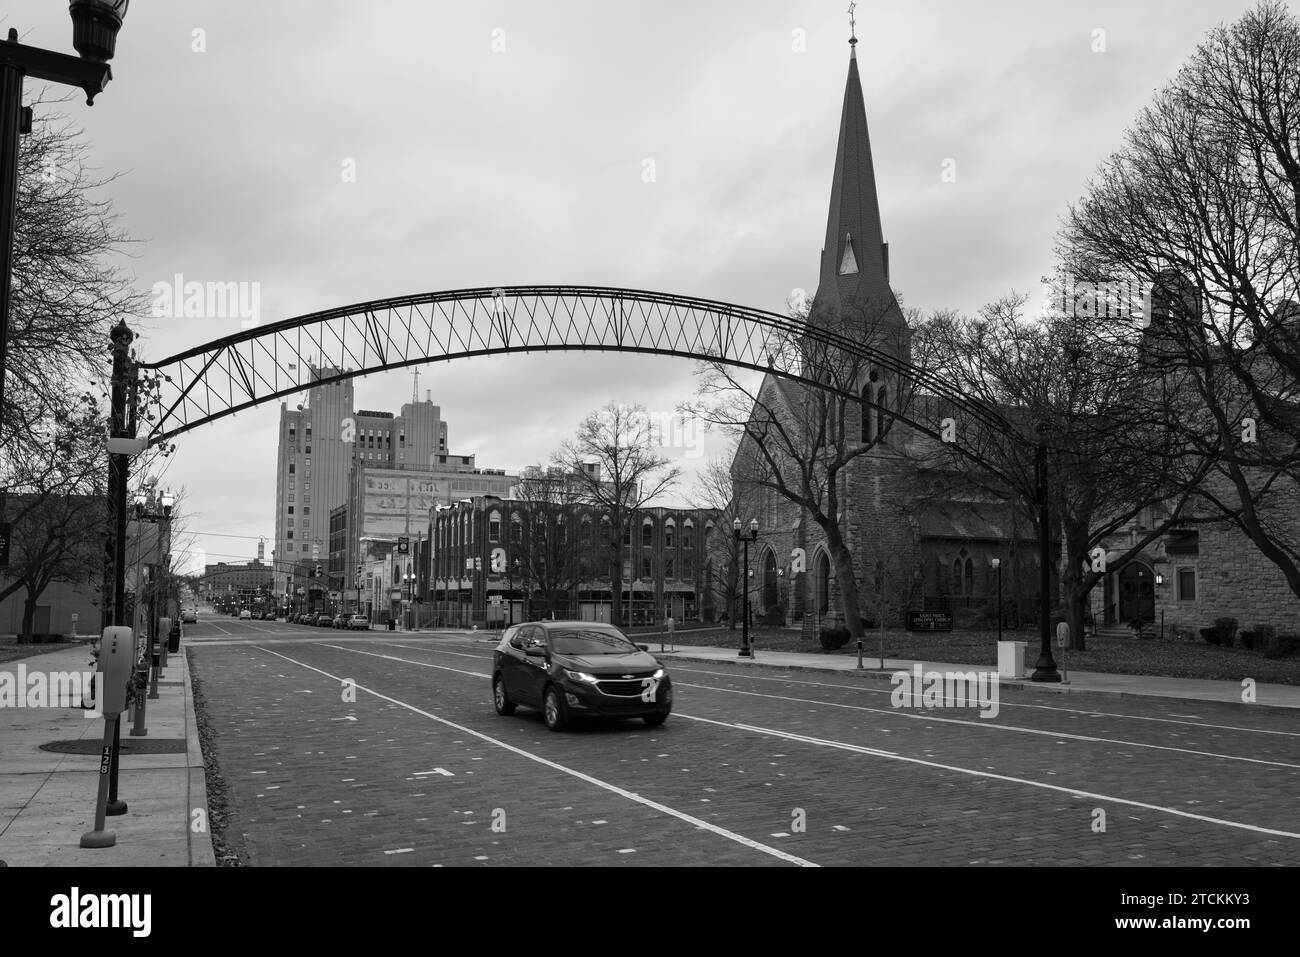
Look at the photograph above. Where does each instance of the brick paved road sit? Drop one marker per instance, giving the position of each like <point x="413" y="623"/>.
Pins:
<point x="420" y="770"/>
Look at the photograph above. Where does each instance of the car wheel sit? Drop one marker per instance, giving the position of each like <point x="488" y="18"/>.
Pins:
<point x="499" y="697"/>
<point x="654" y="720"/>
<point x="553" y="709"/>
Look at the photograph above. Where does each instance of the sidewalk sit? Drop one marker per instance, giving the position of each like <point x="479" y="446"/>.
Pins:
<point x="47" y="800"/>
<point x="1091" y="682"/>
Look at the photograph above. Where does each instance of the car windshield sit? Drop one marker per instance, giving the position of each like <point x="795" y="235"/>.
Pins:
<point x="590" y="642"/>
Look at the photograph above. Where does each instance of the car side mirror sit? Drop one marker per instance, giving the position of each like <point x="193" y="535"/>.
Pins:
<point x="535" y="651"/>
<point x="644" y="647"/>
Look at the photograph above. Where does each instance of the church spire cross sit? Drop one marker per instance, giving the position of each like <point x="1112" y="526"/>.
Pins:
<point x="853" y="25"/>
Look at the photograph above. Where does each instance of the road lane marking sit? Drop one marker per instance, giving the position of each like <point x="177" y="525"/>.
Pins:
<point x="440" y="651"/>
<point x="605" y="785"/>
<point x="932" y="718"/>
<point x="405" y="661"/>
<point x="1004" y="704"/>
<point x="845" y="746"/>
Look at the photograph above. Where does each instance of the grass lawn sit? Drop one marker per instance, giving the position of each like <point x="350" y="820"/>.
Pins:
<point x="1128" y="656"/>
<point x="10" y="650"/>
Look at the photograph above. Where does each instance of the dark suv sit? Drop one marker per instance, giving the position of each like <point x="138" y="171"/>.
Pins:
<point x="572" y="669"/>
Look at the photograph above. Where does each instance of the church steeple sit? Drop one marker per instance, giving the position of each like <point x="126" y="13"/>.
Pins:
<point x="854" y="267"/>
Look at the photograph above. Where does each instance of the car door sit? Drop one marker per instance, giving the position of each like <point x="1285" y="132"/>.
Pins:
<point x="512" y="662"/>
<point x="532" y="673"/>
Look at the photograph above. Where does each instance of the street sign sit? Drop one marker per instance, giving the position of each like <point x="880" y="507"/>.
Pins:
<point x="403" y="545"/>
<point x="494" y="599"/>
<point x="1062" y="634"/>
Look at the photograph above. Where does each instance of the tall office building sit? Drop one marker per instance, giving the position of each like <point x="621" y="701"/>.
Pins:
<point x="320" y="440"/>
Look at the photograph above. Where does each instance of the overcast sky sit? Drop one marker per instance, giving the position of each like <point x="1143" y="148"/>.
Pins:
<point x="504" y="143"/>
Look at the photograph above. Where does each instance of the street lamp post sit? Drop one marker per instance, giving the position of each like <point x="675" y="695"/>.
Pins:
<point x="1045" y="667"/>
<point x="95" y="24"/>
<point x="745" y="650"/>
<point x="997" y="567"/>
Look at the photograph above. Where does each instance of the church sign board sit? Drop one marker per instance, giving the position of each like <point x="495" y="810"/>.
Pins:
<point x="929" y="621"/>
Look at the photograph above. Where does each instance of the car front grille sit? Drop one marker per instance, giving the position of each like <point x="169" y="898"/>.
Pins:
<point x="621" y="688"/>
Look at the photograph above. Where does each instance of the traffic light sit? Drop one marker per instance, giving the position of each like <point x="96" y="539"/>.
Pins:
<point x="358" y="571"/>
<point x="318" y="574"/>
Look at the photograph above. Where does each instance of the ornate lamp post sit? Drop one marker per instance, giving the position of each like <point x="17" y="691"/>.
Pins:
<point x="752" y="536"/>
<point x="997" y="567"/>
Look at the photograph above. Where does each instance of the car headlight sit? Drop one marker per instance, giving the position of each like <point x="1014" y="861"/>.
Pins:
<point x="660" y="673"/>
<point x="581" y="676"/>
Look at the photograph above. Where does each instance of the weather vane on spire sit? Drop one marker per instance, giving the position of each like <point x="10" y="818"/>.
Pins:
<point x="853" y="24"/>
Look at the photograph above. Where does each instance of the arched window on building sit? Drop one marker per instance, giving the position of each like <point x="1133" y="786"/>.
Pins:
<point x="494" y="526"/>
<point x="606" y="530"/>
<point x="584" y="531"/>
<point x="648" y="532"/>
<point x="670" y="532"/>
<point x="516" y="529"/>
<point x="688" y="533"/>
<point x="963" y="575"/>
<point x="882" y="403"/>
<point x="866" y="414"/>
<point x="771" y="594"/>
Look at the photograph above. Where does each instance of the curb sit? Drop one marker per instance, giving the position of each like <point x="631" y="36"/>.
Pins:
<point x="1019" y="684"/>
<point x="200" y="843"/>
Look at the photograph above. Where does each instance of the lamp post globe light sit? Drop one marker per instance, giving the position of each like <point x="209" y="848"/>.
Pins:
<point x="95" y="24"/>
<point x="745" y="650"/>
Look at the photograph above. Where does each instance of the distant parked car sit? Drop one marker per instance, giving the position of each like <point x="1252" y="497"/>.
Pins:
<point x="360" y="622"/>
<point x="245" y="614"/>
<point x="340" y="621"/>
<point x="189" y="616"/>
<point x="323" y="620"/>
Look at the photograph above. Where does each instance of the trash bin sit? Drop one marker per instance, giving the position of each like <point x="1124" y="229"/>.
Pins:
<point x="392" y="624"/>
<point x="174" y="638"/>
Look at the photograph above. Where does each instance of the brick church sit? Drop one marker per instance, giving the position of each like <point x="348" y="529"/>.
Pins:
<point x="922" y="539"/>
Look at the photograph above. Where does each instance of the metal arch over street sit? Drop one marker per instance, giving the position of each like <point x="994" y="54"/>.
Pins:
<point x="249" y="368"/>
<point x="260" y="365"/>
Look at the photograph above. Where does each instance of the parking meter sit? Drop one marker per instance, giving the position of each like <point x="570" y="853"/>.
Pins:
<point x="116" y="651"/>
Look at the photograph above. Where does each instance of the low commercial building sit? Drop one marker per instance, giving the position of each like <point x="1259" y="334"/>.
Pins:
<point x="493" y="561"/>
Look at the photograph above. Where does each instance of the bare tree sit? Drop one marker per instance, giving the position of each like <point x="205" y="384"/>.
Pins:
<point x="549" y="554"/>
<point x="716" y="490"/>
<point x="67" y="291"/>
<point x="1109" y="465"/>
<point x="617" y="471"/>
<point x="57" y="540"/>
<point x="1202" y="206"/>
<point x="798" y="439"/>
